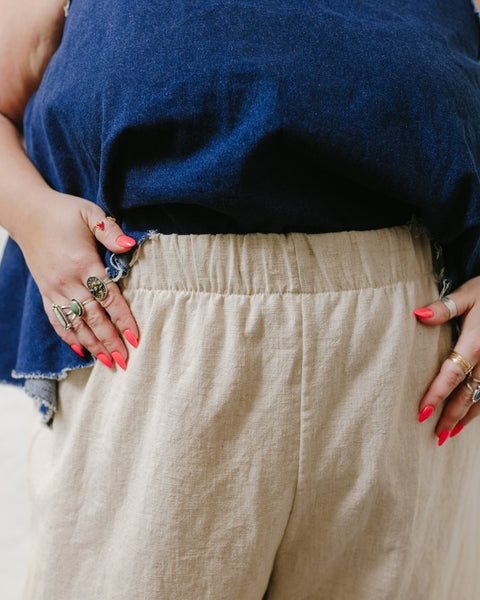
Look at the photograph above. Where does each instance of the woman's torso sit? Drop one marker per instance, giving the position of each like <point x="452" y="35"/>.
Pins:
<point x="262" y="116"/>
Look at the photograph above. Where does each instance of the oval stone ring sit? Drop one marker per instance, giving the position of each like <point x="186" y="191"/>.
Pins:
<point x="98" y="287"/>
<point x="63" y="313"/>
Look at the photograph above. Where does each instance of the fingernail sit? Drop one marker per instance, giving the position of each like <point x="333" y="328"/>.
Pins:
<point x="457" y="429"/>
<point x="78" y="350"/>
<point x="125" y="241"/>
<point x="443" y="437"/>
<point x="130" y="338"/>
<point x="118" y="358"/>
<point x="424" y="313"/>
<point x="105" y="360"/>
<point x="426" y="412"/>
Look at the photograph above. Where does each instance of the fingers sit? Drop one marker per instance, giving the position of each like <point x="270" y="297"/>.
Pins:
<point x="95" y="331"/>
<point x="107" y="231"/>
<point x="439" y="313"/>
<point x="450" y="385"/>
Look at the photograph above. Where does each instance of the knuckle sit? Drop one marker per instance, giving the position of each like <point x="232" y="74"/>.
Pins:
<point x="475" y="344"/>
<point x="454" y="376"/>
<point x="466" y="400"/>
<point x="111" y="301"/>
<point x="96" y="317"/>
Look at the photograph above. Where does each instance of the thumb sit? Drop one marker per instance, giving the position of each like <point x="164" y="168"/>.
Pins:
<point x="442" y="310"/>
<point x="109" y="233"/>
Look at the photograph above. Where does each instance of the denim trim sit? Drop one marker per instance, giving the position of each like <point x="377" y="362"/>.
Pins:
<point x="55" y="376"/>
<point x="44" y="393"/>
<point x="42" y="388"/>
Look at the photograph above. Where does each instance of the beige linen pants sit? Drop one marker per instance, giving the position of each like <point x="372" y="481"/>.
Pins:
<point x="263" y="441"/>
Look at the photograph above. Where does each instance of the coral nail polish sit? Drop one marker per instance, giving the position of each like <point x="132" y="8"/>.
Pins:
<point x="423" y="313"/>
<point x="131" y="339"/>
<point x="443" y="437"/>
<point x="78" y="350"/>
<point x="457" y="429"/>
<point x="426" y="412"/>
<point x="105" y="360"/>
<point x="125" y="241"/>
<point x="118" y="358"/>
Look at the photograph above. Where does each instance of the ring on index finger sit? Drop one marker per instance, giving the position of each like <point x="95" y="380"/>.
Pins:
<point x="451" y="306"/>
<point x="462" y="362"/>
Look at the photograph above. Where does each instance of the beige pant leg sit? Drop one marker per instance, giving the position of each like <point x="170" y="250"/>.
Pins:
<point x="261" y="428"/>
<point x="173" y="480"/>
<point x="381" y="512"/>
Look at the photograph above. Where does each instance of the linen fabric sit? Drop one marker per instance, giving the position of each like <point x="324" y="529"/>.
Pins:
<point x="263" y="441"/>
<point x="236" y="116"/>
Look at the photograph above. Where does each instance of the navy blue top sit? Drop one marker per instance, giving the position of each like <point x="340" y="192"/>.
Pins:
<point x="207" y="116"/>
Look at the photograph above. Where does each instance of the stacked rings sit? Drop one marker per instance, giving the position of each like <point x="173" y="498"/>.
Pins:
<point x="462" y="362"/>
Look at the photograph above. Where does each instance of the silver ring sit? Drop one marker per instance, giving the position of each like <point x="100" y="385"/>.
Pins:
<point x="450" y="304"/>
<point x="67" y="314"/>
<point x="77" y="307"/>
<point x="475" y="391"/>
<point x="63" y="316"/>
<point x="98" y="287"/>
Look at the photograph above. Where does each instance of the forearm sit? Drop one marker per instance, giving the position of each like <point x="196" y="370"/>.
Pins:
<point x="22" y="188"/>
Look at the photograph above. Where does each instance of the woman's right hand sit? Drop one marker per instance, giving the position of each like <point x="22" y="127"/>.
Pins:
<point x="61" y="253"/>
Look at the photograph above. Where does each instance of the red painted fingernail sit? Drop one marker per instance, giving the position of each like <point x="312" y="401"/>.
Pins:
<point x="443" y="437"/>
<point x="118" y="358"/>
<point x="457" y="429"/>
<point x="423" y="313"/>
<point x="130" y="338"/>
<point x="105" y="360"/>
<point x="426" y="412"/>
<point x="78" y="350"/>
<point x="125" y="241"/>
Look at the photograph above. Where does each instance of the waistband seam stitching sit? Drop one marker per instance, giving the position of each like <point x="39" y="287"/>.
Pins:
<point x="289" y="293"/>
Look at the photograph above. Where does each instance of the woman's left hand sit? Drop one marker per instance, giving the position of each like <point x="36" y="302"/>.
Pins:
<point x="450" y="383"/>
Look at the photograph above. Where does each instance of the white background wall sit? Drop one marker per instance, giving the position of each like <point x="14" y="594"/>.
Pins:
<point x="15" y="418"/>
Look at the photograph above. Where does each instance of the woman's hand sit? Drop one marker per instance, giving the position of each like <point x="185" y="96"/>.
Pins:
<point x="450" y="383"/>
<point x="61" y="253"/>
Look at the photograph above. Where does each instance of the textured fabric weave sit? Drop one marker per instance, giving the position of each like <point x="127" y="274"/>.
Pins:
<point x="263" y="441"/>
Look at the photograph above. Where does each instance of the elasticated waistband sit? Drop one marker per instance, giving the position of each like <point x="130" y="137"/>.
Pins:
<point x="268" y="263"/>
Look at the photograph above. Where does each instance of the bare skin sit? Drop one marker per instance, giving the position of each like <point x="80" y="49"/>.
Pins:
<point x="54" y="233"/>
<point x="53" y="230"/>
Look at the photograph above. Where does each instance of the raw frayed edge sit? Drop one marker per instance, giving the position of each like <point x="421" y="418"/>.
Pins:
<point x="417" y="229"/>
<point x="46" y="402"/>
<point x="56" y="376"/>
<point x="120" y="264"/>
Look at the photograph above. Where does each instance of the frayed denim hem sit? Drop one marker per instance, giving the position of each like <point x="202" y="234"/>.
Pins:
<point x="43" y="389"/>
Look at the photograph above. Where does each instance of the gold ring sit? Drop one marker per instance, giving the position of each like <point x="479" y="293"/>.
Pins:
<point x="101" y="224"/>
<point x="98" y="225"/>
<point x="462" y="362"/>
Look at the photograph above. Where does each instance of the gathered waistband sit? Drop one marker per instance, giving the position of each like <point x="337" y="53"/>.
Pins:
<point x="258" y="263"/>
